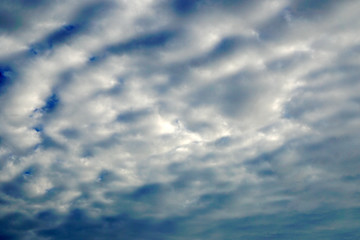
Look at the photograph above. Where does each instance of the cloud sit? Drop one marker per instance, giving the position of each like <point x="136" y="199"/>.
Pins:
<point x="179" y="119"/>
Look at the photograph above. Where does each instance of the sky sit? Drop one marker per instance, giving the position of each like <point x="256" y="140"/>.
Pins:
<point x="179" y="119"/>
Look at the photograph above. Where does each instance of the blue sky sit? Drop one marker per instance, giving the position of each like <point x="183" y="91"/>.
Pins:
<point x="179" y="119"/>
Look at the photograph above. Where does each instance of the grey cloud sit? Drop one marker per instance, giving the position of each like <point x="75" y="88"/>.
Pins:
<point x="236" y="95"/>
<point x="132" y="116"/>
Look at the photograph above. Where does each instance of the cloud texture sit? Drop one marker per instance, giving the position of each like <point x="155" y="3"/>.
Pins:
<point x="202" y="119"/>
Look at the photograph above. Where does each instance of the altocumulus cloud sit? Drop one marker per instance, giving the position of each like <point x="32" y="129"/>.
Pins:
<point x="179" y="119"/>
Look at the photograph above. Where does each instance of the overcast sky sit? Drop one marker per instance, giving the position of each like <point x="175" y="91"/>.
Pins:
<point x="179" y="119"/>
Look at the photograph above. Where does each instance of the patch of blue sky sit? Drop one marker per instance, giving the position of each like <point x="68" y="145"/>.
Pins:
<point x="51" y="104"/>
<point x="6" y="78"/>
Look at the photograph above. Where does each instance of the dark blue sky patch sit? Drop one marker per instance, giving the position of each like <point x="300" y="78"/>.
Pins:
<point x="51" y="104"/>
<point x="93" y="59"/>
<point x="283" y="226"/>
<point x="3" y="202"/>
<point x="186" y="177"/>
<point x="342" y="159"/>
<point x="274" y="28"/>
<point x="110" y="227"/>
<point x="23" y="3"/>
<point x="63" y="34"/>
<point x="38" y="128"/>
<point x="15" y="225"/>
<point x="77" y="215"/>
<point x="77" y="225"/>
<point x="178" y="75"/>
<point x="231" y="3"/>
<point x="226" y="46"/>
<point x="198" y="126"/>
<point x="300" y="104"/>
<point x="337" y="120"/>
<point x="321" y="217"/>
<point x="132" y="116"/>
<point x="78" y="25"/>
<point x="7" y="235"/>
<point x="351" y="178"/>
<point x="51" y="194"/>
<point x="312" y="8"/>
<point x="185" y="7"/>
<point x="266" y="173"/>
<point x="150" y="192"/>
<point x="49" y="143"/>
<point x="7" y="76"/>
<point x="92" y="11"/>
<point x="56" y="38"/>
<point x="265" y="157"/>
<point x="47" y="216"/>
<point x="353" y="74"/>
<point x="70" y="133"/>
<point x="37" y="146"/>
<point x="215" y="201"/>
<point x="32" y="3"/>
<point x="33" y="51"/>
<point x="87" y="152"/>
<point x="5" y="72"/>
<point x="144" y="42"/>
<point x="231" y="96"/>
<point x="108" y="142"/>
<point x="106" y="176"/>
<point x="31" y="171"/>
<point x="13" y="189"/>
<point x="9" y="21"/>
<point x="97" y="59"/>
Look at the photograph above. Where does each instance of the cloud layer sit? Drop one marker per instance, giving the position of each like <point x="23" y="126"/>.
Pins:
<point x="179" y="119"/>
